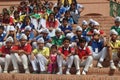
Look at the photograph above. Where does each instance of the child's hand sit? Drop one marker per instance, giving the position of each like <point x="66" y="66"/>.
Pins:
<point x="32" y="57"/>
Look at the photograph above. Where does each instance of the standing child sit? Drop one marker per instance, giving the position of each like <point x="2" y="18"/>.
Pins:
<point x="52" y="59"/>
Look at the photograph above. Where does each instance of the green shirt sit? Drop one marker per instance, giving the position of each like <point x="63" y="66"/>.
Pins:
<point x="58" y="41"/>
<point x="37" y="16"/>
<point x="116" y="29"/>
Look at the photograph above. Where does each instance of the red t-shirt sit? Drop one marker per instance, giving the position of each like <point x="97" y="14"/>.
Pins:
<point x="4" y="50"/>
<point x="83" y="52"/>
<point x="26" y="48"/>
<point x="66" y="52"/>
<point x="53" y="24"/>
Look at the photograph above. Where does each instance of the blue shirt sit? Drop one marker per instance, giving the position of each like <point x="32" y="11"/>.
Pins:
<point x="24" y="25"/>
<point x="30" y="37"/>
<point x="2" y="36"/>
<point x="97" y="45"/>
<point x="65" y="28"/>
<point x="45" y="39"/>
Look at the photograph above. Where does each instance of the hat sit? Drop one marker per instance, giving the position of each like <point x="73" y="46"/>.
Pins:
<point x="91" y="21"/>
<point x="40" y="40"/>
<point x="84" y="22"/>
<point x="58" y="30"/>
<point x="78" y="28"/>
<point x="28" y="28"/>
<point x="69" y="35"/>
<point x="95" y="23"/>
<point x="117" y="19"/>
<point x="45" y="30"/>
<point x="96" y="31"/>
<point x="11" y="28"/>
<point x="113" y="32"/>
<point x="9" y="39"/>
<point x="23" y="36"/>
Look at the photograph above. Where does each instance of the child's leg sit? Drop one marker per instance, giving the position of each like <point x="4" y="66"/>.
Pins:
<point x="7" y="62"/>
<point x="50" y="67"/>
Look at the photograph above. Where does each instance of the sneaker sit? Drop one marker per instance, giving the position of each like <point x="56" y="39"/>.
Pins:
<point x="119" y="65"/>
<point x="112" y="66"/>
<point x="5" y="71"/>
<point x="59" y="73"/>
<point x="91" y="65"/>
<point x="14" y="71"/>
<point x="83" y="73"/>
<point x="27" y="71"/>
<point x="78" y="72"/>
<point x="67" y="72"/>
<point x="99" y="65"/>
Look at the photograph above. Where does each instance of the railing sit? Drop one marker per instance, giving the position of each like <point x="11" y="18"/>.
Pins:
<point x="114" y="8"/>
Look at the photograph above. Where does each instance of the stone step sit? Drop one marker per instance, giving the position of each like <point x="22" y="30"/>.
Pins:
<point x="55" y="77"/>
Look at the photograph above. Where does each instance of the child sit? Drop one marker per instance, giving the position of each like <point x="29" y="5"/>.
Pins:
<point x="65" y="27"/>
<point x="58" y="38"/>
<point x="83" y="57"/>
<point x="117" y="25"/>
<point x="99" y="50"/>
<point x="65" y="56"/>
<point x="6" y="54"/>
<point x="40" y="56"/>
<point x="2" y="35"/>
<point x="114" y="49"/>
<point x="52" y="59"/>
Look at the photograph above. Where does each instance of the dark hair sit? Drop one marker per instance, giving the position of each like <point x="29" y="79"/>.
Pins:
<point x="54" y="46"/>
<point x="16" y="12"/>
<point x="2" y="27"/>
<point x="66" y="38"/>
<point x="65" y="19"/>
<point x="82" y="40"/>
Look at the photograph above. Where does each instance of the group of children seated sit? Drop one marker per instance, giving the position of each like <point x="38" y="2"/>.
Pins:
<point x="42" y="35"/>
<point x="64" y="49"/>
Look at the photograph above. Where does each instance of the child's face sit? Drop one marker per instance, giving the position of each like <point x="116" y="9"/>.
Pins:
<point x="65" y="23"/>
<point x="96" y="37"/>
<point x="117" y="23"/>
<point x="114" y="37"/>
<point x="40" y="45"/>
<point x="1" y="31"/>
<point x="96" y="27"/>
<point x="67" y="14"/>
<point x="11" y="32"/>
<point x="27" y="32"/>
<point x="9" y="44"/>
<point x="82" y="45"/>
<point x="78" y="32"/>
<point x="58" y="34"/>
<point x="23" y="42"/>
<point x="54" y="50"/>
<point x="84" y="26"/>
<point x="66" y="43"/>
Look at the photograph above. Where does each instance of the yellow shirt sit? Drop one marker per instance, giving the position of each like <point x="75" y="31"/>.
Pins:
<point x="115" y="45"/>
<point x="45" y="51"/>
<point x="70" y="1"/>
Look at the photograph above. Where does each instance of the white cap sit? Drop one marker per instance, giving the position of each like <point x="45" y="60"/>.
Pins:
<point x="28" y="28"/>
<point x="23" y="36"/>
<point x="45" y="30"/>
<point x="58" y="30"/>
<point x="96" y="31"/>
<point x="84" y="22"/>
<point x="11" y="28"/>
<point x="91" y="21"/>
<point x="78" y="28"/>
<point x="95" y="23"/>
<point x="70" y="35"/>
<point x="40" y="40"/>
<point x="117" y="19"/>
<point x="9" y="39"/>
<point x="113" y="32"/>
